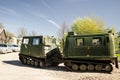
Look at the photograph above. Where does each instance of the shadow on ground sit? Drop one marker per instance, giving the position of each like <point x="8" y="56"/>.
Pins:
<point x="18" y="63"/>
<point x="15" y="63"/>
<point x="58" y="68"/>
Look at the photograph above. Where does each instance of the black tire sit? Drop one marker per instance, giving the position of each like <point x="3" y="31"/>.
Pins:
<point x="52" y="56"/>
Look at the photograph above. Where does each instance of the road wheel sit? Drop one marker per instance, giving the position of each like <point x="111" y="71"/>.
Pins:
<point x="28" y="61"/>
<point x="90" y="67"/>
<point x="32" y="62"/>
<point x="108" y="68"/>
<point x="24" y="61"/>
<point x="83" y="67"/>
<point x="98" y="67"/>
<point x="42" y="64"/>
<point x="36" y="63"/>
<point x="75" y="67"/>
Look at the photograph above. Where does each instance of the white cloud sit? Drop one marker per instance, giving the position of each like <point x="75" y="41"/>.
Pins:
<point x="54" y="23"/>
<point x="36" y="14"/>
<point x="43" y="16"/>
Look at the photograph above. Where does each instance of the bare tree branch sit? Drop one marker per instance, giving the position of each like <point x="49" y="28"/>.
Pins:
<point x="63" y="29"/>
<point x="22" y="32"/>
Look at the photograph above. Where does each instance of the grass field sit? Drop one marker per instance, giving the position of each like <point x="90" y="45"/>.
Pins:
<point x="118" y="55"/>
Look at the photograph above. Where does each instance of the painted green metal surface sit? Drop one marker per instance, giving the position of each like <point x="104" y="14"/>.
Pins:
<point x="37" y="46"/>
<point x="89" y="46"/>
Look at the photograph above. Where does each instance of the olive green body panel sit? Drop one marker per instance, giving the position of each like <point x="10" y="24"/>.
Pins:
<point x="89" y="46"/>
<point x="37" y="46"/>
<point x="111" y="45"/>
<point x="30" y="49"/>
<point x="93" y="58"/>
<point x="89" y="49"/>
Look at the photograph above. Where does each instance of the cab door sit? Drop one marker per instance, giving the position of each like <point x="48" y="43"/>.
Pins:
<point x="25" y="47"/>
<point x="36" y="47"/>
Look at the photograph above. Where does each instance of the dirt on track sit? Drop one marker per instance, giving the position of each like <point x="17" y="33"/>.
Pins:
<point x="12" y="69"/>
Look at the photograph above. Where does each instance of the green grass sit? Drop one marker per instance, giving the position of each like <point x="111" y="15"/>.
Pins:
<point x="118" y="55"/>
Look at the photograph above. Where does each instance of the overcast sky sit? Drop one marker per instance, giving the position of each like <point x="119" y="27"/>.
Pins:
<point x="46" y="16"/>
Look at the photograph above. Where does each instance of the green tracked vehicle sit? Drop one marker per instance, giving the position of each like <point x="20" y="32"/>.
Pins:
<point x="39" y="51"/>
<point x="93" y="52"/>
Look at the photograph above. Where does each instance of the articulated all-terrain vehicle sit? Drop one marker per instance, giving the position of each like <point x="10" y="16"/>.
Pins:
<point x="93" y="52"/>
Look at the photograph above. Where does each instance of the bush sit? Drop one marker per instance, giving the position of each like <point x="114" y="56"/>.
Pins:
<point x="118" y="55"/>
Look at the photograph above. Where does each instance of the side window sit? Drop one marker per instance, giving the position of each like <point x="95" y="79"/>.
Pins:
<point x="36" y="41"/>
<point x="25" y="41"/>
<point x="80" y="42"/>
<point x="96" y="41"/>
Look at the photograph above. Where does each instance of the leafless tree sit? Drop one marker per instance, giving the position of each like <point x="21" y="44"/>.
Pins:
<point x="22" y="31"/>
<point x="63" y="29"/>
<point x="33" y="33"/>
<point x="62" y="34"/>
